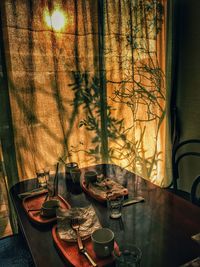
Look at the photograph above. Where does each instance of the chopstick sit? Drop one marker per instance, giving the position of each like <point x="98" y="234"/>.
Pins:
<point x="33" y="210"/>
<point x="133" y="201"/>
<point x="55" y="183"/>
<point x="61" y="159"/>
<point x="32" y="192"/>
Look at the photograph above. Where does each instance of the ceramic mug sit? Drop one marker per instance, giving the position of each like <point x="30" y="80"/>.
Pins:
<point x="90" y="177"/>
<point x="49" y="207"/>
<point x="103" y="242"/>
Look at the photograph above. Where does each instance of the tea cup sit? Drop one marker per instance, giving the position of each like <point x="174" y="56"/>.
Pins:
<point x="103" y="242"/>
<point x="49" y="207"/>
<point x="90" y="177"/>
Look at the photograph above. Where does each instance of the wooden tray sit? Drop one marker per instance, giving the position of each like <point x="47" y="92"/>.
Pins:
<point x="35" y="202"/>
<point x="101" y="197"/>
<point x="69" y="251"/>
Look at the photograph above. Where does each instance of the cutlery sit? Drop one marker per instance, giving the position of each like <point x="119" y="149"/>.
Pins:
<point x="36" y="213"/>
<point x="55" y="193"/>
<point x="47" y="195"/>
<point x="75" y="226"/>
<point x="39" y="209"/>
<point x="35" y="191"/>
<point x="61" y="159"/>
<point x="133" y="201"/>
<point x="33" y="210"/>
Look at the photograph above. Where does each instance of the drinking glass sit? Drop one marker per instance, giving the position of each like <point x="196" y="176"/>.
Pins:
<point x="42" y="177"/>
<point x="130" y="256"/>
<point x="115" y="204"/>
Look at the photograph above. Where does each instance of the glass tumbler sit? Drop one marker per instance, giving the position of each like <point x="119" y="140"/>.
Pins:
<point x="42" y="177"/>
<point x="115" y="204"/>
<point x="130" y="256"/>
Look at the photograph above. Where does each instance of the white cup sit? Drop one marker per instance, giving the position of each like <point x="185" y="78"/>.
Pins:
<point x="103" y="242"/>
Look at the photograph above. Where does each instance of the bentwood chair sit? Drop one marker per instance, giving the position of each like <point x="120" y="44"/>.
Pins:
<point x="195" y="191"/>
<point x="187" y="148"/>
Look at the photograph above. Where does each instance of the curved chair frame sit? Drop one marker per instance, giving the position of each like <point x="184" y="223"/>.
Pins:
<point x="194" y="198"/>
<point x="175" y="162"/>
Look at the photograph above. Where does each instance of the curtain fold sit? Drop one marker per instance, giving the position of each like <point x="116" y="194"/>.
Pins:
<point x="88" y="85"/>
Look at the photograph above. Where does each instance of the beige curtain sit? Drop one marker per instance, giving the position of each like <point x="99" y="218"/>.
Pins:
<point x="46" y="67"/>
<point x="136" y="84"/>
<point x="98" y="65"/>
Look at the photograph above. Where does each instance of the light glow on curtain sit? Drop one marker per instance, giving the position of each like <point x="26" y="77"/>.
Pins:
<point x="56" y="20"/>
<point x="55" y="87"/>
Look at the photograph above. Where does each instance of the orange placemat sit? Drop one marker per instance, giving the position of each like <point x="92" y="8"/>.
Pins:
<point x="99" y="194"/>
<point x="70" y="252"/>
<point x="35" y="202"/>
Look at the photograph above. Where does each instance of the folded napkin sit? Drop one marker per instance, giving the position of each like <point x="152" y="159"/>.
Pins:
<point x="87" y="217"/>
<point x="33" y="192"/>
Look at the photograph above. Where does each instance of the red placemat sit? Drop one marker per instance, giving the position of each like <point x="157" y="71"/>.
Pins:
<point x="101" y="196"/>
<point x="70" y="252"/>
<point x="35" y="202"/>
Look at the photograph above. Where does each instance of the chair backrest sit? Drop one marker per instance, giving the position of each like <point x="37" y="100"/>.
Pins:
<point x="195" y="191"/>
<point x="189" y="147"/>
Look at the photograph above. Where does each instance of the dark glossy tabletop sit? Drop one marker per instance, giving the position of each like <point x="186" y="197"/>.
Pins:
<point x="161" y="226"/>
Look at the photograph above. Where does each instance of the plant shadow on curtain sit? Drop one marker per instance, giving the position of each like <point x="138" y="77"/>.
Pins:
<point x="55" y="86"/>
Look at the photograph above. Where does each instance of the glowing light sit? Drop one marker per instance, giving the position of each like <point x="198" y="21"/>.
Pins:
<point x="56" y="20"/>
